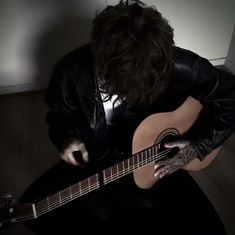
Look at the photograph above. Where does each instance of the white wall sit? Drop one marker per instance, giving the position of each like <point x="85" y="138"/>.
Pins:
<point x="35" y="33"/>
<point x="230" y="60"/>
<point x="204" y="26"/>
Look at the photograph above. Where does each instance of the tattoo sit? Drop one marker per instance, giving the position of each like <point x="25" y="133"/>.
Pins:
<point x="178" y="161"/>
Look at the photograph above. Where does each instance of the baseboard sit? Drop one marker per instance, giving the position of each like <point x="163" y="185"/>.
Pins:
<point x="230" y="66"/>
<point x="217" y="62"/>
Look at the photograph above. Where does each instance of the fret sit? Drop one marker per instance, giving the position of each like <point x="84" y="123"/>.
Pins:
<point x="41" y="204"/>
<point x="65" y="195"/>
<point x="145" y="154"/>
<point x="136" y="160"/>
<point x="107" y="174"/>
<point x="75" y="189"/>
<point x="97" y="180"/>
<point x="126" y="164"/>
<point x="84" y="184"/>
<point x="149" y="154"/>
<point x="48" y="204"/>
<point x="152" y="153"/>
<point x="60" y="197"/>
<point x="131" y="162"/>
<point x="141" y="159"/>
<point x="54" y="199"/>
<point x="89" y="184"/>
<point x="70" y="192"/>
<point x="94" y="180"/>
<point x="114" y="171"/>
<point x="119" y="170"/>
<point x="79" y="189"/>
<point x="120" y="167"/>
<point x="145" y="159"/>
<point x="111" y="173"/>
<point x="155" y="150"/>
<point x="34" y="211"/>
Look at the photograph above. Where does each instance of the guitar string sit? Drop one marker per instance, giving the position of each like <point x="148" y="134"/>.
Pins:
<point x="64" y="199"/>
<point x="61" y="199"/>
<point x="67" y="198"/>
<point x="113" y="176"/>
<point x="82" y="192"/>
<point x="24" y="218"/>
<point x="130" y="169"/>
<point x="44" y="209"/>
<point x="54" y="205"/>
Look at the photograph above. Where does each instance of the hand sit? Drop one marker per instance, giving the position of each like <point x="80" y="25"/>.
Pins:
<point x="169" y="165"/>
<point x="68" y="154"/>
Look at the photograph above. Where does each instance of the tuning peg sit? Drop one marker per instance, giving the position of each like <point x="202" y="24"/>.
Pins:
<point x="6" y="195"/>
<point x="8" y="202"/>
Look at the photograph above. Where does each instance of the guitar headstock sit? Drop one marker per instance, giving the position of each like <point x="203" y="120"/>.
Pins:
<point x="12" y="212"/>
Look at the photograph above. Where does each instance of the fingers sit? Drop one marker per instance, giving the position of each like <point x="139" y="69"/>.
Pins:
<point x="160" y="171"/>
<point x="180" y="144"/>
<point x="68" y="154"/>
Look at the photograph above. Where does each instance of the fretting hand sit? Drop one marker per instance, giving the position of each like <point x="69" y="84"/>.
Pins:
<point x="185" y="154"/>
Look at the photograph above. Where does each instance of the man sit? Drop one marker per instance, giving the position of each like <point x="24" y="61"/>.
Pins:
<point x="133" y="63"/>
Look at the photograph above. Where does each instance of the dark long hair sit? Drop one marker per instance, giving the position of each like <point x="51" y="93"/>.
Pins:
<point x="133" y="47"/>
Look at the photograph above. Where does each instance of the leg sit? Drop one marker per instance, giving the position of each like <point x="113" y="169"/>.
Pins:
<point x="175" y="205"/>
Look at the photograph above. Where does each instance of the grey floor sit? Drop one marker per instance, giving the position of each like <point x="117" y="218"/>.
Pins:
<point x="26" y="152"/>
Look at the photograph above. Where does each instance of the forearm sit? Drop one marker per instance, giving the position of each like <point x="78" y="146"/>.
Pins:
<point x="61" y="129"/>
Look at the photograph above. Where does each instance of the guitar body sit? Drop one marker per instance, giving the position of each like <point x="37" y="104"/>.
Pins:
<point x="156" y="127"/>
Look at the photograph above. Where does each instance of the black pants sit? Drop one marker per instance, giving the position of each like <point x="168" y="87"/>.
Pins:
<point x="175" y="205"/>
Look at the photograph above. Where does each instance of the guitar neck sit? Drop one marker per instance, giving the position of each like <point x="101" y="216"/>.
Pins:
<point x="95" y="181"/>
<point x="91" y="183"/>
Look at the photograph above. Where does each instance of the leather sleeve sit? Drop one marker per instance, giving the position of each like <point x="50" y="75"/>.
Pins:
<point x="62" y="115"/>
<point x="215" y="89"/>
<point x="75" y="107"/>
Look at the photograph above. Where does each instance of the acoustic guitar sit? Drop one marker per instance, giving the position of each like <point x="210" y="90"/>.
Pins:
<point x="147" y="148"/>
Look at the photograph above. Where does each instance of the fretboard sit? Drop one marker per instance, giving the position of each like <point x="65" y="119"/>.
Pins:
<point x="94" y="182"/>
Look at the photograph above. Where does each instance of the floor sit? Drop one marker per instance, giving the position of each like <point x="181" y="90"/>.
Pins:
<point x="26" y="152"/>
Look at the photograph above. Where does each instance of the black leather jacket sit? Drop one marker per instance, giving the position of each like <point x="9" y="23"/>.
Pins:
<point x="76" y="108"/>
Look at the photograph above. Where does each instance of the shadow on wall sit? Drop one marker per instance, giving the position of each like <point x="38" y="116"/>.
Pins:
<point x="67" y="34"/>
<point x="35" y="34"/>
<point x="67" y="26"/>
